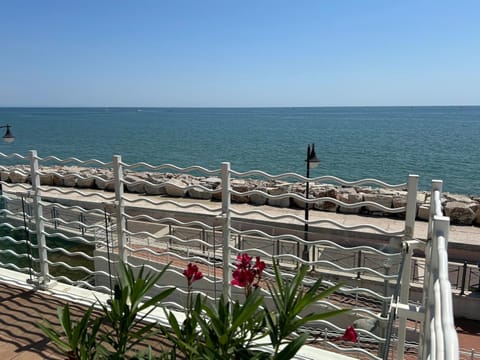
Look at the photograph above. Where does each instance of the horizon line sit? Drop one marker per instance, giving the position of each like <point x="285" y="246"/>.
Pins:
<point x="225" y="107"/>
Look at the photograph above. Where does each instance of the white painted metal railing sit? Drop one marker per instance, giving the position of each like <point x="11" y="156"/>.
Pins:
<point x="156" y="230"/>
<point x="439" y="340"/>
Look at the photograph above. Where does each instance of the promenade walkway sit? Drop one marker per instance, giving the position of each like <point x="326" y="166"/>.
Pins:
<point x="461" y="237"/>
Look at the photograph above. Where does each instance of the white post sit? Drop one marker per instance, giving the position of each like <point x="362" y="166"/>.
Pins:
<point x="39" y="227"/>
<point x="119" y="208"/>
<point x="430" y="247"/>
<point x="437" y="185"/>
<point x="411" y="212"/>
<point x="427" y="294"/>
<point x="404" y="295"/>
<point x="227" y="276"/>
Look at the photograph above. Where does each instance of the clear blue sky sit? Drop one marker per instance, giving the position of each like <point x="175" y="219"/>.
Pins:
<point x="239" y="53"/>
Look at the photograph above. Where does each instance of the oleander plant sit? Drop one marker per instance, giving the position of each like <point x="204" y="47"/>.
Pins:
<point x="265" y="324"/>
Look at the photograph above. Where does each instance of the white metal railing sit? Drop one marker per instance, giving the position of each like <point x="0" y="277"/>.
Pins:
<point x="439" y="339"/>
<point x="113" y="225"/>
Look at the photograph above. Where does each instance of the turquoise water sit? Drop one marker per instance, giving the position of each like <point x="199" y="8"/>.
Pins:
<point x="352" y="142"/>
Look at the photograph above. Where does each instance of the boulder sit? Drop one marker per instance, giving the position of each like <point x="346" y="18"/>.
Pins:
<point x="349" y="196"/>
<point x="278" y="189"/>
<point x="57" y="179"/>
<point x="477" y="217"/>
<point x="69" y="180"/>
<point x="104" y="182"/>
<point x="213" y="182"/>
<point x="258" y="199"/>
<point x="423" y="196"/>
<point x="134" y="184"/>
<point x="423" y="212"/>
<point x="199" y="193"/>
<point x="460" y="213"/>
<point x="86" y="182"/>
<point x="399" y="199"/>
<point x="299" y="189"/>
<point x="323" y="191"/>
<point x="175" y="188"/>
<point x="457" y="197"/>
<point x="18" y="177"/>
<point x="239" y="185"/>
<point x="46" y="179"/>
<point x="157" y="186"/>
<point x="384" y="200"/>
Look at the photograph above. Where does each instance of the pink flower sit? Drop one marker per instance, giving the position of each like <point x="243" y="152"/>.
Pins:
<point x="192" y="273"/>
<point x="247" y="275"/>
<point x="259" y="266"/>
<point x="350" y="334"/>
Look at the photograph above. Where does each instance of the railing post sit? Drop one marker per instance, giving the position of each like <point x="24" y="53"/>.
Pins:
<point x="39" y="226"/>
<point x="464" y="276"/>
<point x="427" y="277"/>
<point x="411" y="211"/>
<point x="437" y="185"/>
<point x="404" y="295"/>
<point x="359" y="263"/>
<point x="119" y="208"/>
<point x="227" y="276"/>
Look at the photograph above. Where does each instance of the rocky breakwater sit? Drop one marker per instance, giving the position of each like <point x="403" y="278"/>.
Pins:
<point x="462" y="209"/>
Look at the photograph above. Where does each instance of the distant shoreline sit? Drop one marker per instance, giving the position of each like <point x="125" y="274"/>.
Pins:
<point x="241" y="107"/>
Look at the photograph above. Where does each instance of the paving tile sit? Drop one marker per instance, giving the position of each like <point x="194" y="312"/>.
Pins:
<point x="21" y="309"/>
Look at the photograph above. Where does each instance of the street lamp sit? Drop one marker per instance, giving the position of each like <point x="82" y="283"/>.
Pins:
<point x="312" y="162"/>
<point x="8" y="137"/>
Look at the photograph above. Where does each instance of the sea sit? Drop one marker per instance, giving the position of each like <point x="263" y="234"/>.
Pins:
<point x="387" y="143"/>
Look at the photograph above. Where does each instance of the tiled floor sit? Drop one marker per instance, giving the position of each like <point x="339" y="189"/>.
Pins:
<point x="21" y="309"/>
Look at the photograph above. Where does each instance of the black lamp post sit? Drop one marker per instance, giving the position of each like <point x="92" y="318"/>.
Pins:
<point x="8" y="137"/>
<point x="312" y="162"/>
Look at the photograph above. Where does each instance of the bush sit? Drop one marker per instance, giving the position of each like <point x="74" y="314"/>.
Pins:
<point x="251" y="329"/>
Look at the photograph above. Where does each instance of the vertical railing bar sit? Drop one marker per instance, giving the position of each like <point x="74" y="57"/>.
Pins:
<point x="27" y="241"/>
<point x="39" y="226"/>
<point x="227" y="290"/>
<point x="464" y="275"/>
<point x="450" y="337"/>
<point x="437" y="185"/>
<point x="108" y="249"/>
<point x="391" y="316"/>
<point x="119" y="207"/>
<point x="425" y="335"/>
<point x="411" y="211"/>
<point x="404" y="295"/>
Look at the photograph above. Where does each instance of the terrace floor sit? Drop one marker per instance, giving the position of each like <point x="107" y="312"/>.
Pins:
<point x="21" y="308"/>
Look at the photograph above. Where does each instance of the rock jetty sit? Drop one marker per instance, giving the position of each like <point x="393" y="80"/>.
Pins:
<point x="462" y="209"/>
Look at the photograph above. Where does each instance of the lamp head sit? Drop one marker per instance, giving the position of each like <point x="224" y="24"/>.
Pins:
<point x="8" y="137"/>
<point x="312" y="157"/>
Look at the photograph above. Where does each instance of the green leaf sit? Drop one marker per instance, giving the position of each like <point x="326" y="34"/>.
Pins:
<point x="249" y="308"/>
<point x="289" y="351"/>
<point x="54" y="336"/>
<point x="64" y="317"/>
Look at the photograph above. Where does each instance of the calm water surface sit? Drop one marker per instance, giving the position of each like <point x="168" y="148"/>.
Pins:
<point x="352" y="142"/>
